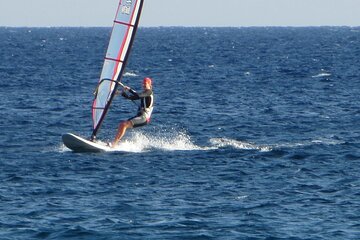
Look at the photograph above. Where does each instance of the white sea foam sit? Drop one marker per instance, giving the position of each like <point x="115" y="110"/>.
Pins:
<point x="322" y="75"/>
<point x="130" y="74"/>
<point x="226" y="142"/>
<point x="327" y="141"/>
<point x="318" y="141"/>
<point x="63" y="148"/>
<point x="180" y="141"/>
<point x="174" y="141"/>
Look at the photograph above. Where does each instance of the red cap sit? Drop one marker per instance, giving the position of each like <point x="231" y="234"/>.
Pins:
<point x="147" y="80"/>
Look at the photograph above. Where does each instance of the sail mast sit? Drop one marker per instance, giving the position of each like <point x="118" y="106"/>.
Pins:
<point x="122" y="37"/>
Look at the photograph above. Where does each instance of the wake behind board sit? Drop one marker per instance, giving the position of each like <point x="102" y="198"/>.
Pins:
<point x="79" y="144"/>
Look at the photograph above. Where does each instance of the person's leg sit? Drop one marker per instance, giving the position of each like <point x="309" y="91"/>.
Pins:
<point x="121" y="131"/>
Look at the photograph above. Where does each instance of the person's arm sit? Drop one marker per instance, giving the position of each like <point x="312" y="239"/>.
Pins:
<point x="123" y="93"/>
<point x="136" y="96"/>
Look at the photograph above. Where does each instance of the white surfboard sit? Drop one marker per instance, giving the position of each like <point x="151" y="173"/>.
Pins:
<point x="79" y="144"/>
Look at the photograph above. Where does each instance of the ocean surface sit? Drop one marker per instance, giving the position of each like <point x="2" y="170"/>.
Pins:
<point x="255" y="135"/>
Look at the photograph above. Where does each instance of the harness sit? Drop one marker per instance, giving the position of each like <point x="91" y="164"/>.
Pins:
<point x="146" y="106"/>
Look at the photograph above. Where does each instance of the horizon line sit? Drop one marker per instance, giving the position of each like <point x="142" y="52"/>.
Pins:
<point x="184" y="26"/>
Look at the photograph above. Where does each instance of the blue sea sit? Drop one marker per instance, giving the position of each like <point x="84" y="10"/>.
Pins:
<point x="255" y="135"/>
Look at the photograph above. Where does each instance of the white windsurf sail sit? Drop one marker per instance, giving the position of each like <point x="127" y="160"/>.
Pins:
<point x="122" y="37"/>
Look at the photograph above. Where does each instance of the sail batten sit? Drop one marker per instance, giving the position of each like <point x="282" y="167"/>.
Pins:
<point x="113" y="59"/>
<point x="127" y="24"/>
<point x="121" y="39"/>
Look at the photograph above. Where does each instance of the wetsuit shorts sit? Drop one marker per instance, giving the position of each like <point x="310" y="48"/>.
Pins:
<point x="138" y="121"/>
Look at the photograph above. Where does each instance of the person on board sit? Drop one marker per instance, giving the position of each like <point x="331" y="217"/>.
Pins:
<point x="144" y="111"/>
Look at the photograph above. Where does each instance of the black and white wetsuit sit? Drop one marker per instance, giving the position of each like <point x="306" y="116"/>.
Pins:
<point x="145" y="109"/>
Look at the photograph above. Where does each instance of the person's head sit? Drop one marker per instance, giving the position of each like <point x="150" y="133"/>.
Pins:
<point x="147" y="83"/>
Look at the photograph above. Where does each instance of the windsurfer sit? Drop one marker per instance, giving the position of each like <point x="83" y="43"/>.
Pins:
<point x="144" y="112"/>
